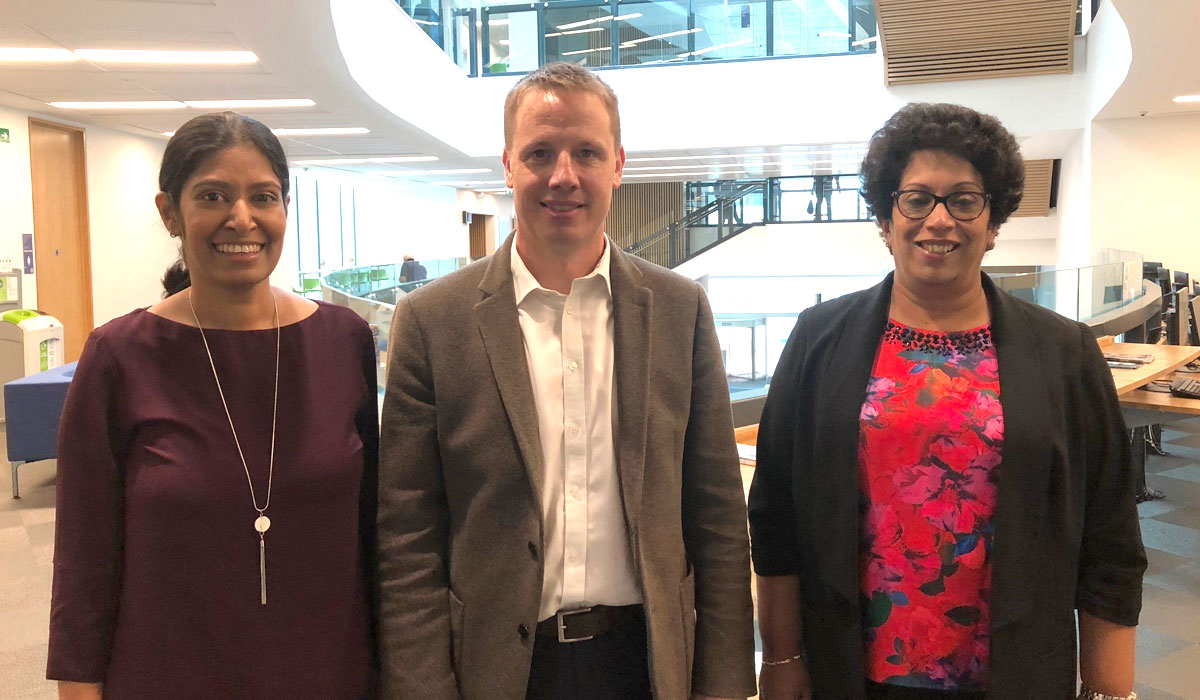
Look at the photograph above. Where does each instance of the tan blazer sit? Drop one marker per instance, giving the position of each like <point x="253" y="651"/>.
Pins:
<point x="460" y="526"/>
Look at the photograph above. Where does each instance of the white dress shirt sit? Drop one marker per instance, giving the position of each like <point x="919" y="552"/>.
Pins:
<point x="569" y="350"/>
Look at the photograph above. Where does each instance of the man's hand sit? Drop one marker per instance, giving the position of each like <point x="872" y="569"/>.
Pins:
<point x="788" y="681"/>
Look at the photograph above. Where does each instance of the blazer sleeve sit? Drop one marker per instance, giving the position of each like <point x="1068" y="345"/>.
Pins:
<point x="414" y="612"/>
<point x="771" y="506"/>
<point x="1112" y="559"/>
<point x="714" y="527"/>
<point x="89" y="526"/>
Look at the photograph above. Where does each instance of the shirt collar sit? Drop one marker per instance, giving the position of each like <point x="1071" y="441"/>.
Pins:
<point x="524" y="283"/>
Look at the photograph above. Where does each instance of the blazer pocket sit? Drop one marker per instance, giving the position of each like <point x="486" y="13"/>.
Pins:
<point x="457" y="639"/>
<point x="687" y="604"/>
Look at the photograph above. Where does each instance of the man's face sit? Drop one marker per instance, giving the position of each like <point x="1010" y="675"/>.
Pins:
<point x="562" y="165"/>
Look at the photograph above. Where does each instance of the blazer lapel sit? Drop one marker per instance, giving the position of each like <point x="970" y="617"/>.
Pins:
<point x="1023" y="476"/>
<point x="500" y="329"/>
<point x="837" y="435"/>
<point x="631" y="363"/>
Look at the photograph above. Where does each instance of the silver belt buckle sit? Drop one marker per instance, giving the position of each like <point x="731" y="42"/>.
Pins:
<point x="561" y="617"/>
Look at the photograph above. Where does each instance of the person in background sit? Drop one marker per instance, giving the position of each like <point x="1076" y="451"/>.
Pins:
<point x="217" y="463"/>
<point x="561" y="513"/>
<point x="411" y="270"/>
<point x="943" y="474"/>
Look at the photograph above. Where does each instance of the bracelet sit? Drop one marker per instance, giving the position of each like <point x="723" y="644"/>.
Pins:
<point x="782" y="662"/>
<point x="1086" y="693"/>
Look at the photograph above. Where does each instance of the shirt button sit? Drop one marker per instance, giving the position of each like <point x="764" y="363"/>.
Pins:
<point x="533" y="550"/>
<point x="572" y="366"/>
<point x="570" y="312"/>
<point x="572" y="555"/>
<point x="574" y="429"/>
<point x="576" y="493"/>
<point x="523" y="631"/>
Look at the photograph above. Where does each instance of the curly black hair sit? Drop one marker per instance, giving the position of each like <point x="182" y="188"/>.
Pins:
<point x="980" y="139"/>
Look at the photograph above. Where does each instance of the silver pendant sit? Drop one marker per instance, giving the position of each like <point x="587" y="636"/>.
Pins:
<point x="262" y="523"/>
<point x="262" y="569"/>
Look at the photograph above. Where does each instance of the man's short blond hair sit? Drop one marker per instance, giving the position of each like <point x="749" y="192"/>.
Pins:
<point x="560" y="77"/>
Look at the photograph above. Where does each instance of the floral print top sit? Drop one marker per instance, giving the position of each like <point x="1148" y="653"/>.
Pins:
<point x="930" y="433"/>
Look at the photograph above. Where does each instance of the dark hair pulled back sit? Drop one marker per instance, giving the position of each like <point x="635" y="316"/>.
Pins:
<point x="197" y="140"/>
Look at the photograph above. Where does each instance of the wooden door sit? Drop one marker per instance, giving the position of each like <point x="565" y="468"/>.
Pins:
<point x="479" y="231"/>
<point x="61" y="242"/>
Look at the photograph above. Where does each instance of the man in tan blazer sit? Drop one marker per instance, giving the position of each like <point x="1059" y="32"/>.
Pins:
<point x="560" y="508"/>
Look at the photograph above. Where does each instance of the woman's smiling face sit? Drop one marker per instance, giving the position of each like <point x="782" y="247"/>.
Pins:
<point x="938" y="250"/>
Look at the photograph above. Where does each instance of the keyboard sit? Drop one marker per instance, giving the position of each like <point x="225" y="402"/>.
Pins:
<point x="1186" y="388"/>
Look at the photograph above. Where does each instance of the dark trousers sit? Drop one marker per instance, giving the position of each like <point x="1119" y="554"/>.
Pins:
<point x="887" y="691"/>
<point x="613" y="666"/>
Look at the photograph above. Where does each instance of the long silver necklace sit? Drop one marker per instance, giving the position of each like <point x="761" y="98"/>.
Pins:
<point x="262" y="523"/>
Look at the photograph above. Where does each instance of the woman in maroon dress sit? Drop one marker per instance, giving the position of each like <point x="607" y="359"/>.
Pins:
<point x="216" y="474"/>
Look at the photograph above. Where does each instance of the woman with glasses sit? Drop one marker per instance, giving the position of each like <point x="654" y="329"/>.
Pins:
<point x="943" y="474"/>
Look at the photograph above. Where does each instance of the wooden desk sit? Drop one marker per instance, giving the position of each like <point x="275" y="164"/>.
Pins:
<point x="1167" y="359"/>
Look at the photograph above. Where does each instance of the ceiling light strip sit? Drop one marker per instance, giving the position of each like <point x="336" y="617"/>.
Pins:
<point x="35" y="55"/>
<point x="172" y="57"/>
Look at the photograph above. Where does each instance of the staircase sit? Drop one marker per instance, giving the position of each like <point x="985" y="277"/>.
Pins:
<point x="738" y="206"/>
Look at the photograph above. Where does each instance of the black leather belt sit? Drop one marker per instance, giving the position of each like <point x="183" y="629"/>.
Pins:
<point x="583" y="624"/>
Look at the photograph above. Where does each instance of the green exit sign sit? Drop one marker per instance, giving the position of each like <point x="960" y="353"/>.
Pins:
<point x="3" y="135"/>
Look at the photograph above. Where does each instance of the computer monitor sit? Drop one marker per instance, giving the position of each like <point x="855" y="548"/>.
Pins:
<point x="1177" y="320"/>
<point x="1181" y="280"/>
<point x="1150" y="270"/>
<point x="1195" y="320"/>
<point x="1164" y="284"/>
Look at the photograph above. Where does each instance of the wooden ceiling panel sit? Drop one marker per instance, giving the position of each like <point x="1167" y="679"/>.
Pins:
<point x="928" y="41"/>
<point x="1039" y="175"/>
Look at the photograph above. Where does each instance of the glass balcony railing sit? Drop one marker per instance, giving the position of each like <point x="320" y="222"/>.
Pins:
<point x="486" y="39"/>
<point x="372" y="290"/>
<point x="755" y="315"/>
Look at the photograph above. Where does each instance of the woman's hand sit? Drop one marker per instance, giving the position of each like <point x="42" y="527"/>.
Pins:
<point x="788" y="681"/>
<point x="79" y="691"/>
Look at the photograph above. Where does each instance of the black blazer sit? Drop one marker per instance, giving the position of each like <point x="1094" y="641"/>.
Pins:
<point x="1066" y="520"/>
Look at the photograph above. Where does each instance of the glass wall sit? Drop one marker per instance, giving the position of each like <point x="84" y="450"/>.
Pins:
<point x="516" y="38"/>
<point x="800" y="199"/>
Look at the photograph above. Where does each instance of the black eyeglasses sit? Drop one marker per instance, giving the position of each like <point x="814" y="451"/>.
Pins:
<point x="918" y="204"/>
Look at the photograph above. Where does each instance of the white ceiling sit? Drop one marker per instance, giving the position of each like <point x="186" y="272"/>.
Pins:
<point x="299" y="57"/>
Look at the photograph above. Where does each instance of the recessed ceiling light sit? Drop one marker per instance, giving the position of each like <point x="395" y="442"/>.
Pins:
<point x="8" y="54"/>
<point x="330" y="131"/>
<point x="1187" y="98"/>
<point x="159" y="56"/>
<point x="404" y="159"/>
<point x="133" y="104"/>
<point x="363" y="161"/>
<point x="450" y="171"/>
<point x="333" y="131"/>
<point x="248" y="104"/>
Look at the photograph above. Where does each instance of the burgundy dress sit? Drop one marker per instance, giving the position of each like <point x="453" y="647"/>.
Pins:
<point x="156" y="560"/>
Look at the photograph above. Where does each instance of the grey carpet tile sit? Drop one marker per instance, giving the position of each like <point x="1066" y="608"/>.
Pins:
<point x="1171" y="612"/>
<point x="23" y="674"/>
<point x="1191" y="440"/>
<point x="1177" y="491"/>
<point x="1189" y="473"/>
<point x="1160" y="562"/>
<point x="1178" y="673"/>
<point x="1145" y="692"/>
<point x="1153" y="645"/>
<point x="1153" y="509"/>
<point x="1176" y="539"/>
<point x="1184" y="578"/>
<point x="1186" y="516"/>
